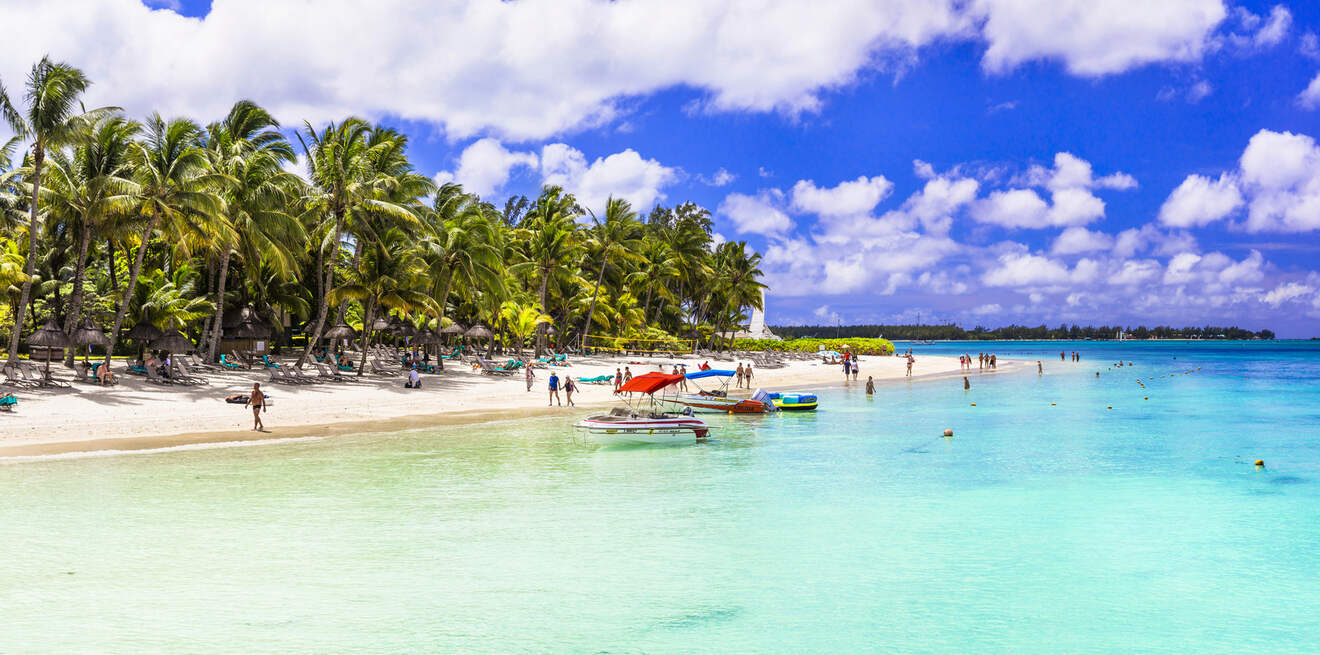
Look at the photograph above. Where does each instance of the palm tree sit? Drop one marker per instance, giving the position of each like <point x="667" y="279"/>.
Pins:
<point x="340" y="158"/>
<point x="52" y="120"/>
<point x="460" y="246"/>
<point x="249" y="150"/>
<point x="522" y="320"/>
<point x="616" y="237"/>
<point x="550" y="234"/>
<point x="84" y="188"/>
<point x="391" y="277"/>
<point x="174" y="185"/>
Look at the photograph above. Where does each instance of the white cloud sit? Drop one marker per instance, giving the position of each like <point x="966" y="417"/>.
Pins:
<point x="1199" y="91"/>
<point x="1096" y="38"/>
<point x="297" y="167"/>
<point x="1072" y="202"/>
<point x="1024" y="269"/>
<point x="1275" y="29"/>
<point x="987" y="309"/>
<point x="1287" y="292"/>
<point x="1280" y="174"/>
<point x="1015" y="208"/>
<point x="622" y="175"/>
<point x="523" y="70"/>
<point x="1309" y="98"/>
<point x="848" y="198"/>
<point x="484" y="166"/>
<point x="1200" y="201"/>
<point x="1078" y="239"/>
<point x="721" y="178"/>
<point x="759" y="214"/>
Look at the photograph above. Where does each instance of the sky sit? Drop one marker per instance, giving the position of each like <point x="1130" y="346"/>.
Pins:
<point x="981" y="162"/>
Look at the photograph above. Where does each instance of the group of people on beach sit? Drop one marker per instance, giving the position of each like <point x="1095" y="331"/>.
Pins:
<point x="554" y="384"/>
<point x="743" y="376"/>
<point x="850" y="366"/>
<point x="983" y="360"/>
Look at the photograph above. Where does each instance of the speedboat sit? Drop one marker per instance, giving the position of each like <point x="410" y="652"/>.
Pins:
<point x="718" y="400"/>
<point x="793" y="401"/>
<point x="638" y="422"/>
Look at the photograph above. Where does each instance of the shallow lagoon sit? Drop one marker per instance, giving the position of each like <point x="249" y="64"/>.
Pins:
<point x="1036" y="528"/>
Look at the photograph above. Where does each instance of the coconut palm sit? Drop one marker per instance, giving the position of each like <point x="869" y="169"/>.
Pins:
<point x="549" y="234"/>
<point x="247" y="148"/>
<point x="616" y="237"/>
<point x="522" y="320"/>
<point x="391" y="276"/>
<point x="54" y="118"/>
<point x="174" y="186"/>
<point x="460" y="245"/>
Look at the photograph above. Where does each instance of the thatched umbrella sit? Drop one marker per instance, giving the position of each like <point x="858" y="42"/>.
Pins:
<point x="478" y="331"/>
<point x="341" y="331"/>
<point x="380" y="324"/>
<point x="253" y="329"/>
<point x="48" y="336"/>
<point x="426" y="338"/>
<point x="144" y="331"/>
<point x="173" y="341"/>
<point x="89" y="335"/>
<point x="454" y="328"/>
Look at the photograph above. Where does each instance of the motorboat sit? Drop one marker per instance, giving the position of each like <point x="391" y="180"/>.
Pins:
<point x="641" y="420"/>
<point x="793" y="401"/>
<point x="718" y="400"/>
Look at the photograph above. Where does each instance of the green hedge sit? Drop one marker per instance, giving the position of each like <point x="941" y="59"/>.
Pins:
<point x="860" y="346"/>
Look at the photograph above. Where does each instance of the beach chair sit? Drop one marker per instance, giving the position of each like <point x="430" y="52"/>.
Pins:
<point x="326" y="373"/>
<point x="8" y="402"/>
<point x="154" y="376"/>
<point x="184" y="374"/>
<point x="277" y="375"/>
<point x="488" y="368"/>
<point x="265" y="359"/>
<point x="599" y="379"/>
<point x="14" y="377"/>
<point x="298" y="375"/>
<point x="381" y="369"/>
<point x="226" y="362"/>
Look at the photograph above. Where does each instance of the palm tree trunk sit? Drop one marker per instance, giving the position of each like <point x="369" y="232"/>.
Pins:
<point x="591" y="309"/>
<point x="440" y="318"/>
<point x="131" y="286"/>
<point x="369" y="317"/>
<point x="646" y="308"/>
<point x="540" y="331"/>
<point x="212" y="355"/>
<point x="110" y="264"/>
<point x="75" y="299"/>
<point x="323" y="307"/>
<point x="38" y="158"/>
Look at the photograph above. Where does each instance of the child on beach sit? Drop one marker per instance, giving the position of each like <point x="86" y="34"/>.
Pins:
<point x="854" y="369"/>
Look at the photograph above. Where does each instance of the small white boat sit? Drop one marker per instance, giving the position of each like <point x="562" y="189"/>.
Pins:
<point x="636" y="424"/>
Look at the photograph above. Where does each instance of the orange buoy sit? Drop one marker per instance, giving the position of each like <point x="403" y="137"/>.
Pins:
<point x="1053" y="404"/>
<point x="973" y="404"/>
<point x="948" y="432"/>
<point x="1109" y="406"/>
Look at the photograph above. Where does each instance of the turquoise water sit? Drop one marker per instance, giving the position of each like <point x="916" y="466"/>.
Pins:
<point x="1069" y="528"/>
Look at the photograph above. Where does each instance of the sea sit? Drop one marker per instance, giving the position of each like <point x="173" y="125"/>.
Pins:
<point x="1094" y="508"/>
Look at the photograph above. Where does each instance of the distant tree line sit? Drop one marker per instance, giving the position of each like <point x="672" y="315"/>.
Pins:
<point x="958" y="333"/>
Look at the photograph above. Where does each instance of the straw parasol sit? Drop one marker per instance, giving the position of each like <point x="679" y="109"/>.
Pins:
<point x="380" y="324"/>
<point x="478" y="331"/>
<point x="173" y="341"/>
<point x="89" y="335"/>
<point x="454" y="328"/>
<point x="253" y="330"/>
<point x="144" y="331"/>
<point x="48" y="336"/>
<point x="341" y="331"/>
<point x="426" y="338"/>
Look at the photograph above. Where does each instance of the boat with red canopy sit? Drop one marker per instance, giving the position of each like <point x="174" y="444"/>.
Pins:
<point x="641" y="420"/>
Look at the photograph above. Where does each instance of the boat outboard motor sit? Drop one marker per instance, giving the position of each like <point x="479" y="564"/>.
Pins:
<point x="687" y="411"/>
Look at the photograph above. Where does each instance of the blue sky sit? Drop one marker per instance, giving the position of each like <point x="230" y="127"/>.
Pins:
<point x="981" y="162"/>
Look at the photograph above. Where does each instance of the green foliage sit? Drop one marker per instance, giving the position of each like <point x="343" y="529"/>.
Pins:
<point x="861" y="346"/>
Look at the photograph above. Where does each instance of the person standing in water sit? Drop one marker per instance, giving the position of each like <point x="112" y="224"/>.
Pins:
<point x="257" y="401"/>
<point x="854" y="369"/>
<point x="870" y="386"/>
<point x="1040" y="370"/>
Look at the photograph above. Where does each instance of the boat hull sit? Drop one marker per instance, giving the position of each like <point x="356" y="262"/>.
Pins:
<point x="615" y="430"/>
<point x="719" y="404"/>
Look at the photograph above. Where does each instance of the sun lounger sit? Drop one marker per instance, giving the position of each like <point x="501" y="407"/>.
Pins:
<point x="154" y="376"/>
<point x="8" y="402"/>
<point x="184" y="374"/>
<point x="299" y="376"/>
<point x="488" y="368"/>
<point x="327" y="373"/>
<point x="381" y="369"/>
<point x="227" y="363"/>
<point x="14" y="376"/>
<point x="265" y="359"/>
<point x="599" y="379"/>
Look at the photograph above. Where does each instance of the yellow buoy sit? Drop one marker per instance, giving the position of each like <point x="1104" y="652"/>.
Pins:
<point x="973" y="404"/>
<point x="1260" y="462"/>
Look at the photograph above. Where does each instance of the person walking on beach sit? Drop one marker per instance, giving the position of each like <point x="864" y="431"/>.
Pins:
<point x="909" y="364"/>
<point x="847" y="367"/>
<point x="532" y="376"/>
<point x="1060" y="355"/>
<point x="257" y="401"/>
<point x="569" y="388"/>
<point x="854" y="369"/>
<point x="627" y="374"/>
<point x="994" y="362"/>
<point x="738" y="376"/>
<point x="870" y="386"/>
<point x="554" y="389"/>
<point x="747" y="376"/>
<point x="682" y="370"/>
<point x="618" y="380"/>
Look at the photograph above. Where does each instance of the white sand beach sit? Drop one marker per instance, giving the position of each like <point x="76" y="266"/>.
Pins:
<point x="137" y="414"/>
